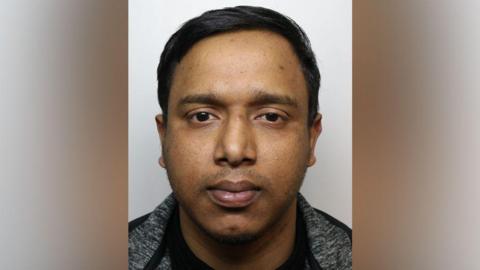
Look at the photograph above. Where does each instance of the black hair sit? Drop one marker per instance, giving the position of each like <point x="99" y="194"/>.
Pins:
<point x="231" y="19"/>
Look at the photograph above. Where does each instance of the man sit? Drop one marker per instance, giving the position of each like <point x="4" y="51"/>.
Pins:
<point x="238" y="88"/>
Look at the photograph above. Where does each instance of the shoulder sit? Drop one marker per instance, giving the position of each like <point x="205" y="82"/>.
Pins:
<point x="329" y="240"/>
<point x="145" y="234"/>
<point x="341" y="227"/>
<point x="132" y="225"/>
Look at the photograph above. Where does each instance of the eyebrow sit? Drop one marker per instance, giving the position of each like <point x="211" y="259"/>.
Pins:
<point x="260" y="97"/>
<point x="211" y="99"/>
<point x="263" y="98"/>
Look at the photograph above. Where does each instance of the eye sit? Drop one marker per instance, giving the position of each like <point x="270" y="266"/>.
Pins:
<point x="271" y="117"/>
<point x="201" y="116"/>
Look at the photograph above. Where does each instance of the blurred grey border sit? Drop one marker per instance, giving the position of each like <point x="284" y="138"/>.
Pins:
<point x="63" y="176"/>
<point x="416" y="150"/>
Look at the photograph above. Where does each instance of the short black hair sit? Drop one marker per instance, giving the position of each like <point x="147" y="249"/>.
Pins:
<point x="232" y="19"/>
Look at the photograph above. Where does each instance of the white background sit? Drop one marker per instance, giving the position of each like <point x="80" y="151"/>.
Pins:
<point x="328" y="185"/>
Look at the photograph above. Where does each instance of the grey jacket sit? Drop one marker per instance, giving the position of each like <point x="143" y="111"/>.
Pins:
<point x="329" y="240"/>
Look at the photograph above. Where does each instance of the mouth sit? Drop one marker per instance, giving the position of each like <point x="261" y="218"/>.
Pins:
<point x="228" y="194"/>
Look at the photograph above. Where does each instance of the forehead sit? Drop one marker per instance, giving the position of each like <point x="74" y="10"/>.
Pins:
<point x="235" y="64"/>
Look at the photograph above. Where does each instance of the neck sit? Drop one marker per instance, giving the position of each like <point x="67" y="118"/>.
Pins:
<point x="268" y="251"/>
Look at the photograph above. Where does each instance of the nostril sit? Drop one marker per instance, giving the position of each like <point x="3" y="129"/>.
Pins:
<point x="248" y="160"/>
<point x="225" y="161"/>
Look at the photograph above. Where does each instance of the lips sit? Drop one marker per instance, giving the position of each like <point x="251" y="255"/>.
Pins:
<point x="230" y="194"/>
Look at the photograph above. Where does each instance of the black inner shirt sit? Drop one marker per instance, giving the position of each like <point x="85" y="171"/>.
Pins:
<point x="182" y="256"/>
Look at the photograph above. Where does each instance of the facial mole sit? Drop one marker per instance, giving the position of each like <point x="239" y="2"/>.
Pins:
<point x="281" y="67"/>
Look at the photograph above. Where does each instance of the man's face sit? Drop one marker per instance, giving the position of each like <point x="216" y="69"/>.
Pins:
<point x="237" y="143"/>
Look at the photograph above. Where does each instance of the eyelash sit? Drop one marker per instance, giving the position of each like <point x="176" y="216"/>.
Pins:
<point x="192" y="116"/>
<point x="279" y="117"/>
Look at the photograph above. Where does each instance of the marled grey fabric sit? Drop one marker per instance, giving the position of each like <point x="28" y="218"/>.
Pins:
<point x="329" y="244"/>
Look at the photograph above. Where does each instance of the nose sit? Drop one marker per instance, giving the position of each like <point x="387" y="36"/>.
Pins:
<point x="236" y="143"/>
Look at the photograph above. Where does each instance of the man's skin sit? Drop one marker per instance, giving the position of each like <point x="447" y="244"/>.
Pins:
<point x="236" y="147"/>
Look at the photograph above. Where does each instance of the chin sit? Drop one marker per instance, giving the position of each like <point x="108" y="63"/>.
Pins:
<point x="232" y="234"/>
<point x="233" y="239"/>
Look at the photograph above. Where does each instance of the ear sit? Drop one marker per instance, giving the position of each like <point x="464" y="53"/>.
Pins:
<point x="314" y="131"/>
<point x="161" y="128"/>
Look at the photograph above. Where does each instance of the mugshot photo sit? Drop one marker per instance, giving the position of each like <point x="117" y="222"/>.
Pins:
<point x="240" y="135"/>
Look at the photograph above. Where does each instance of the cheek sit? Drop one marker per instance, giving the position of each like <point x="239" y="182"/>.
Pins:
<point x="186" y="158"/>
<point x="289" y="148"/>
<point x="285" y="160"/>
